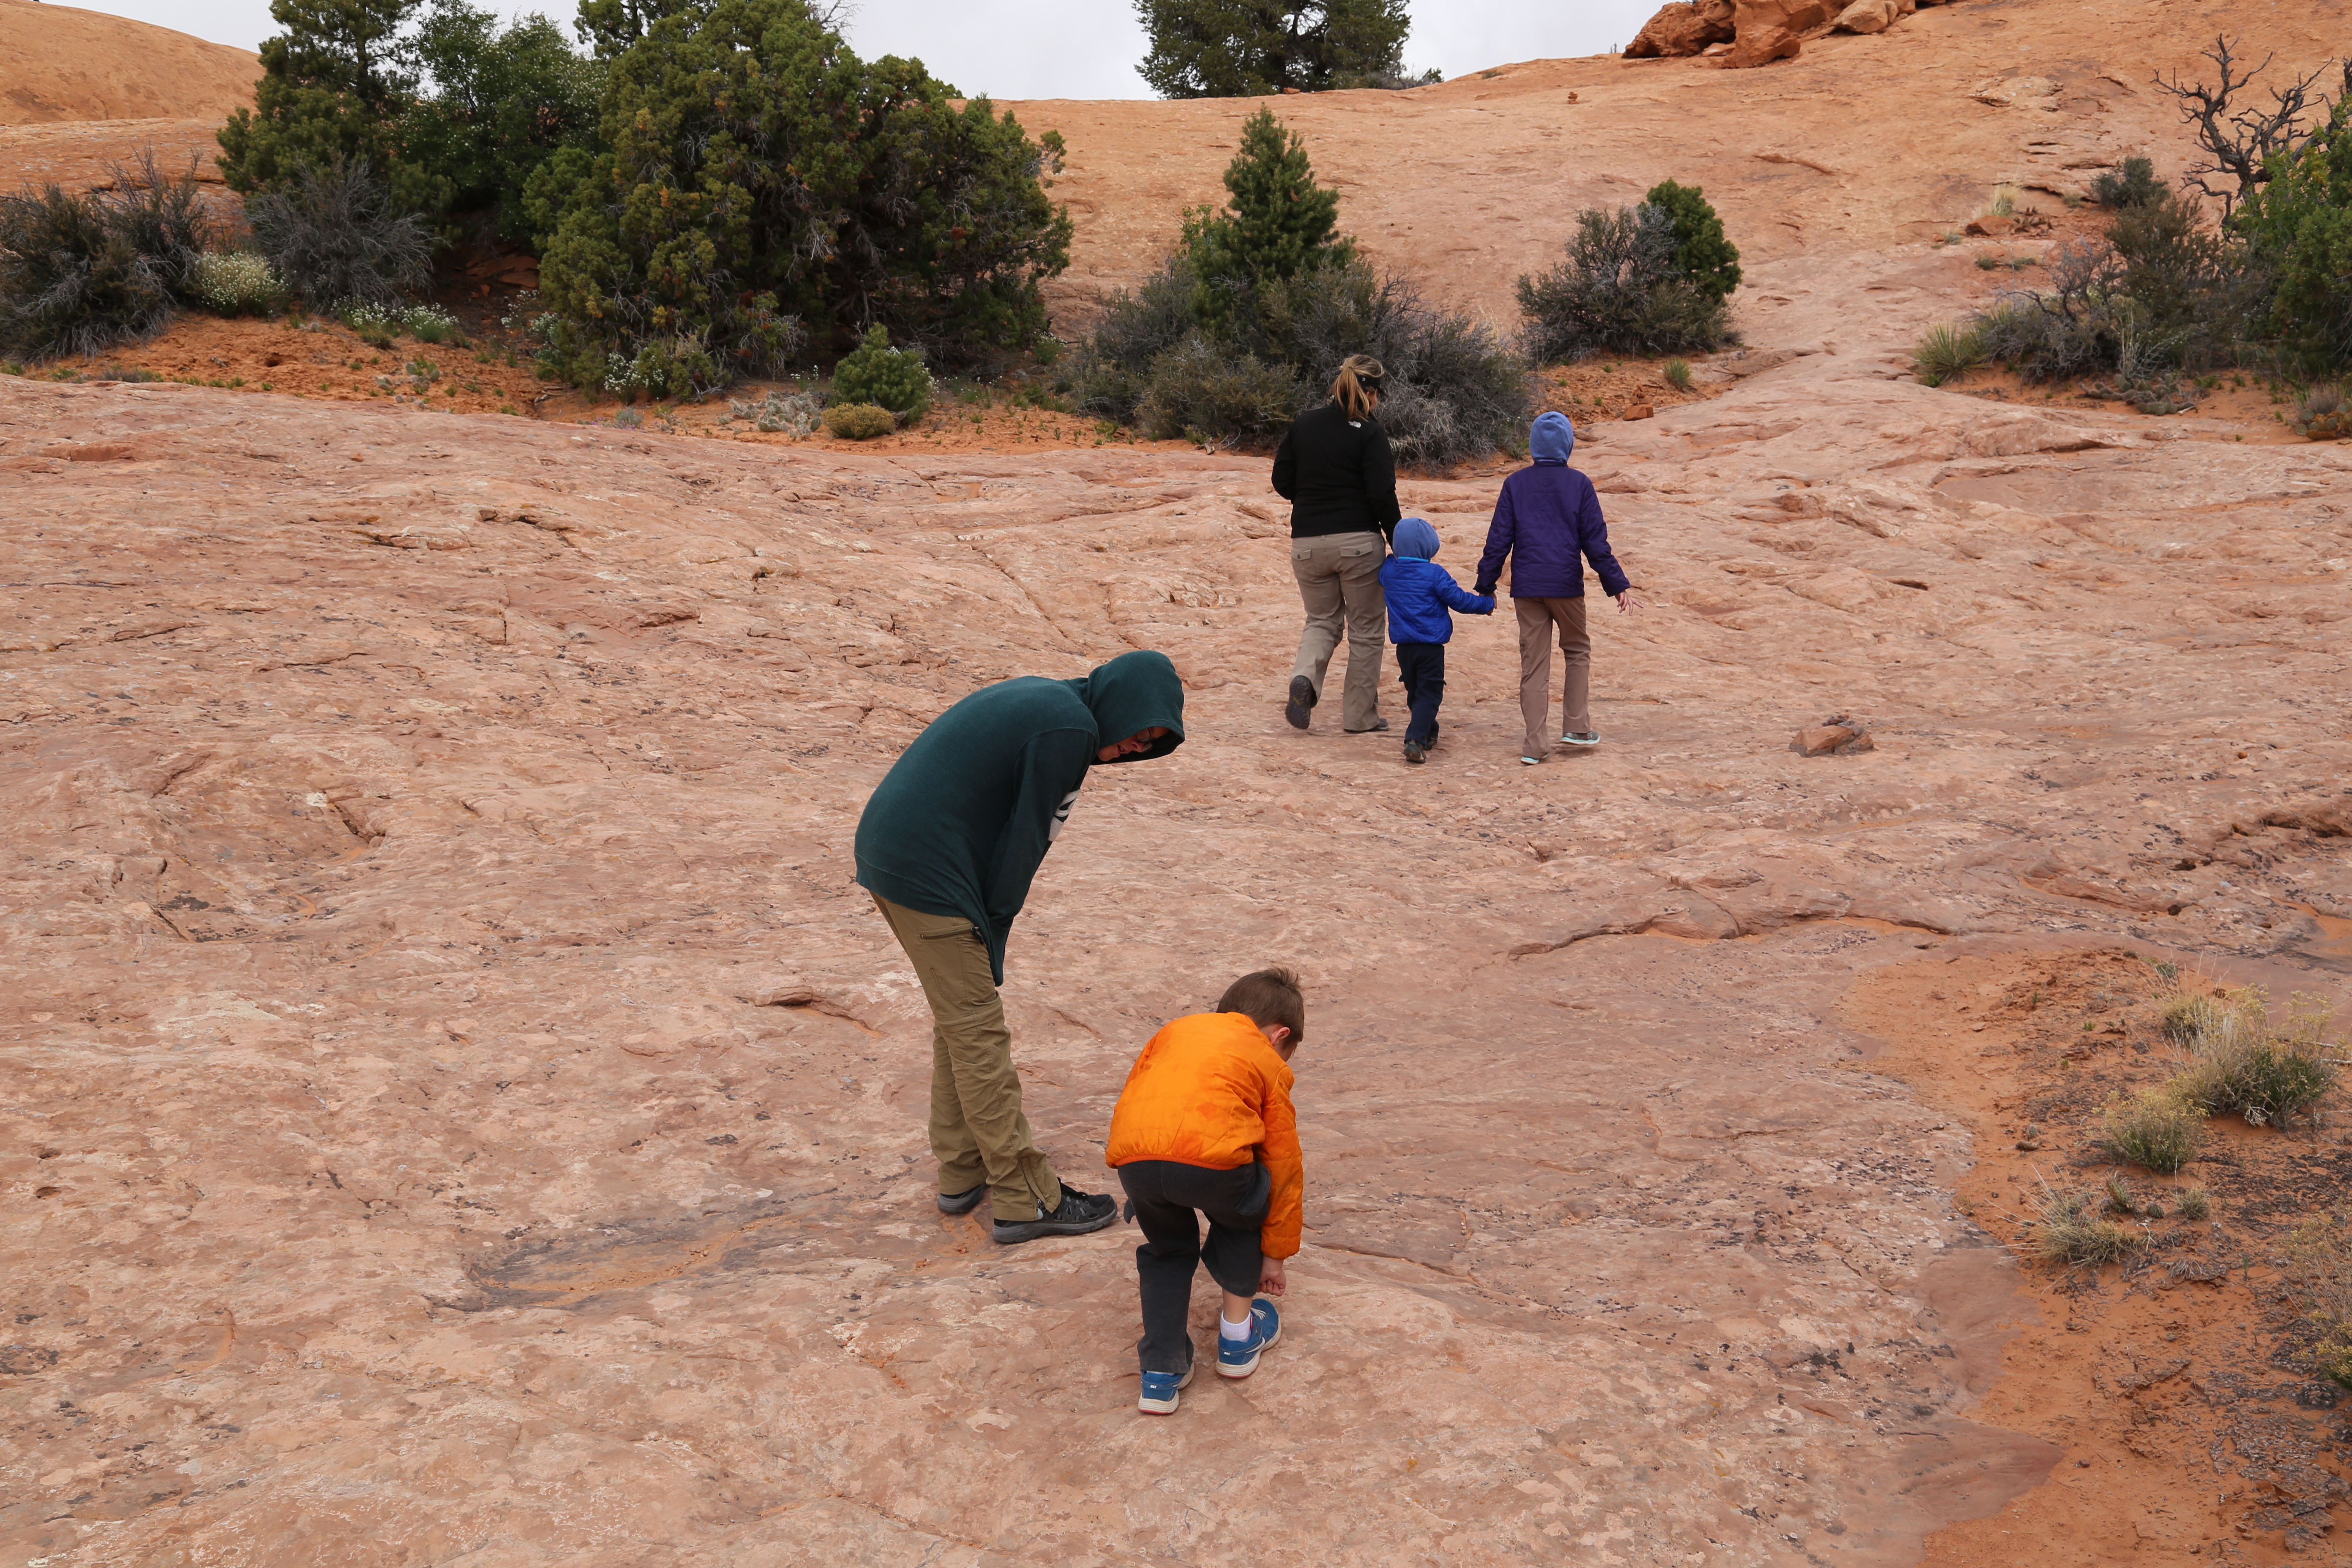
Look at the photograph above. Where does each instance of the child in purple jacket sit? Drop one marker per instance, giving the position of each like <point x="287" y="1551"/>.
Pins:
<point x="1420" y="592"/>
<point x="1547" y="521"/>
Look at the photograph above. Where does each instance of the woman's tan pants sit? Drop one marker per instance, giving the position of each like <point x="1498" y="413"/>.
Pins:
<point x="1340" y="582"/>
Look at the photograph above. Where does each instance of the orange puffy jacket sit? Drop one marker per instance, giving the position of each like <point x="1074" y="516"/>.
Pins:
<point x="1208" y="1090"/>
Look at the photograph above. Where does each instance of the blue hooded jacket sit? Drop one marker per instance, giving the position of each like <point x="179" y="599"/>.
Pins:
<point x="1419" y="590"/>
<point x="1547" y="518"/>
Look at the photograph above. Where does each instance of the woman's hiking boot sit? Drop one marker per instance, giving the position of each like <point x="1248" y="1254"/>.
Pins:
<point x="1301" y="703"/>
<point x="1160" y="1389"/>
<point x="1374" y="728"/>
<point x="1078" y="1213"/>
<point x="1238" y="1358"/>
<point x="963" y="1202"/>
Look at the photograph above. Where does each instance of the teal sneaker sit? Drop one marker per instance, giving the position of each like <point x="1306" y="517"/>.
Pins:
<point x="1238" y="1358"/>
<point x="1160" y="1396"/>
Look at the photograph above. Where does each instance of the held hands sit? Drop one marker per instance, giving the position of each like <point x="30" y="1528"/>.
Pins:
<point x="1270" y="1277"/>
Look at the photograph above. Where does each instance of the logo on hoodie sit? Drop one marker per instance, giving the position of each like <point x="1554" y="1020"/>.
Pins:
<point x="1061" y="817"/>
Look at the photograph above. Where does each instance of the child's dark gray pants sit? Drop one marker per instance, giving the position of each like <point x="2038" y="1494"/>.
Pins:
<point x="1169" y="1201"/>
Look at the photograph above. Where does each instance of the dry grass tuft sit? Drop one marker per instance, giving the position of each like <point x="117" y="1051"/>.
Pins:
<point x="2239" y="1061"/>
<point x="2319" y="1273"/>
<point x="2154" y="1128"/>
<point x="2194" y="1202"/>
<point x="2070" y="1229"/>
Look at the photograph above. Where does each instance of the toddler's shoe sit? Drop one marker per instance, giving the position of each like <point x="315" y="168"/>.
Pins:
<point x="1238" y="1358"/>
<point x="1414" y="752"/>
<point x="1159" y="1390"/>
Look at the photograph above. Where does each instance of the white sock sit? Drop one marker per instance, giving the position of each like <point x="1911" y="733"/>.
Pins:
<point x="1226" y="1331"/>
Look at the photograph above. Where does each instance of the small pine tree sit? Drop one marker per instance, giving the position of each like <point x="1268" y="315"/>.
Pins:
<point x="1703" y="254"/>
<point x="1279" y="223"/>
<point x="874" y="373"/>
<point x="1247" y="48"/>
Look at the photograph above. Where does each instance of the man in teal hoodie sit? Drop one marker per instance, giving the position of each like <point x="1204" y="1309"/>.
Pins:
<point x="948" y="846"/>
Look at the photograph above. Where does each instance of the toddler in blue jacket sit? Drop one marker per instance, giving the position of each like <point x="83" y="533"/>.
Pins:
<point x="1420" y="592"/>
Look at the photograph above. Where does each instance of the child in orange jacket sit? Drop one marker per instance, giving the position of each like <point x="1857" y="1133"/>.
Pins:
<point x="1204" y="1127"/>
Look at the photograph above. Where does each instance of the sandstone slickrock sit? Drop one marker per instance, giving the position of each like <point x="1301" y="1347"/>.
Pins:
<point x="458" y="1109"/>
<point x="461" y="940"/>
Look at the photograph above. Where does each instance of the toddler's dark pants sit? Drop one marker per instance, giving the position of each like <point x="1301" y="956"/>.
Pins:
<point x="1421" y="667"/>
<point x="1165" y="1196"/>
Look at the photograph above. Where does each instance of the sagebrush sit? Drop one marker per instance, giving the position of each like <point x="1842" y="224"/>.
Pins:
<point x="1618" y="290"/>
<point x="334" y="233"/>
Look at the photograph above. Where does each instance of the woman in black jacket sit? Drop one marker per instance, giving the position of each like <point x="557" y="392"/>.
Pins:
<point x="1335" y="469"/>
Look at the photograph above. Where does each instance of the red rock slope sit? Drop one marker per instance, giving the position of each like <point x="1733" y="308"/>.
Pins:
<point x="61" y="63"/>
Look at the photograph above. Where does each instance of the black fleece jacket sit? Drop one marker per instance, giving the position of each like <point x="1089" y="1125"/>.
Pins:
<point x="1336" y="474"/>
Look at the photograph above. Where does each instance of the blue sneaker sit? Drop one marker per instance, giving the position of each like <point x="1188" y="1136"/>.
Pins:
<point x="1160" y="1391"/>
<point x="1238" y="1358"/>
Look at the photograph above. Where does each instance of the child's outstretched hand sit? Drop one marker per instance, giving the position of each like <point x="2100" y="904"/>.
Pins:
<point x="1270" y="1278"/>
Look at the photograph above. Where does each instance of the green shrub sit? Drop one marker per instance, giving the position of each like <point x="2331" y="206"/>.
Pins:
<point x="1201" y="392"/>
<point x="1678" y="374"/>
<point x="2300" y="224"/>
<point x="334" y="233"/>
<point x="858" y="421"/>
<point x="72" y="280"/>
<point x="236" y="283"/>
<point x="1703" y="253"/>
<point x="889" y="378"/>
<point x="1134" y="330"/>
<point x="753" y="176"/>
<point x="2155" y="1128"/>
<point x="1618" y="289"/>
<point x="2134" y="184"/>
<point x="1947" y="353"/>
<point x="1235" y="351"/>
<point x="1243" y="48"/>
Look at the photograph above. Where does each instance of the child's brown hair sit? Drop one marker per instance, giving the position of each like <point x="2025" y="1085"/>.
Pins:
<point x="1268" y="998"/>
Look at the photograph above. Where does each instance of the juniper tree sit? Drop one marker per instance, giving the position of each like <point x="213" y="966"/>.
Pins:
<point x="1703" y="254"/>
<point x="1245" y="48"/>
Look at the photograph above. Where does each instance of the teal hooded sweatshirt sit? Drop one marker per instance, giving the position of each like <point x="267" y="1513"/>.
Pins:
<point x="963" y="819"/>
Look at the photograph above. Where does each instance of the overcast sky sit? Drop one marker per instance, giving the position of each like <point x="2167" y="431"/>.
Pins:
<point x="1057" y="48"/>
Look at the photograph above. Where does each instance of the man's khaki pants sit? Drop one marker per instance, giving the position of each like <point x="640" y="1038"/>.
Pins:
<point x="977" y="1131"/>
<point x="1538" y="617"/>
<point x="1340" y="582"/>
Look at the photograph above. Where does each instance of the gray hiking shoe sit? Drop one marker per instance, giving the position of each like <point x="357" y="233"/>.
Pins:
<point x="963" y="1202"/>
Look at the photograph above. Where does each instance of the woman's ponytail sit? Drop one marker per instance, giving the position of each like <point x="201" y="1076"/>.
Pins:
<point x="1357" y="388"/>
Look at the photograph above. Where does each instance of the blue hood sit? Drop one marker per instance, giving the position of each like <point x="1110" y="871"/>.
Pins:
<point x="1551" y="439"/>
<point x="1417" y="538"/>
